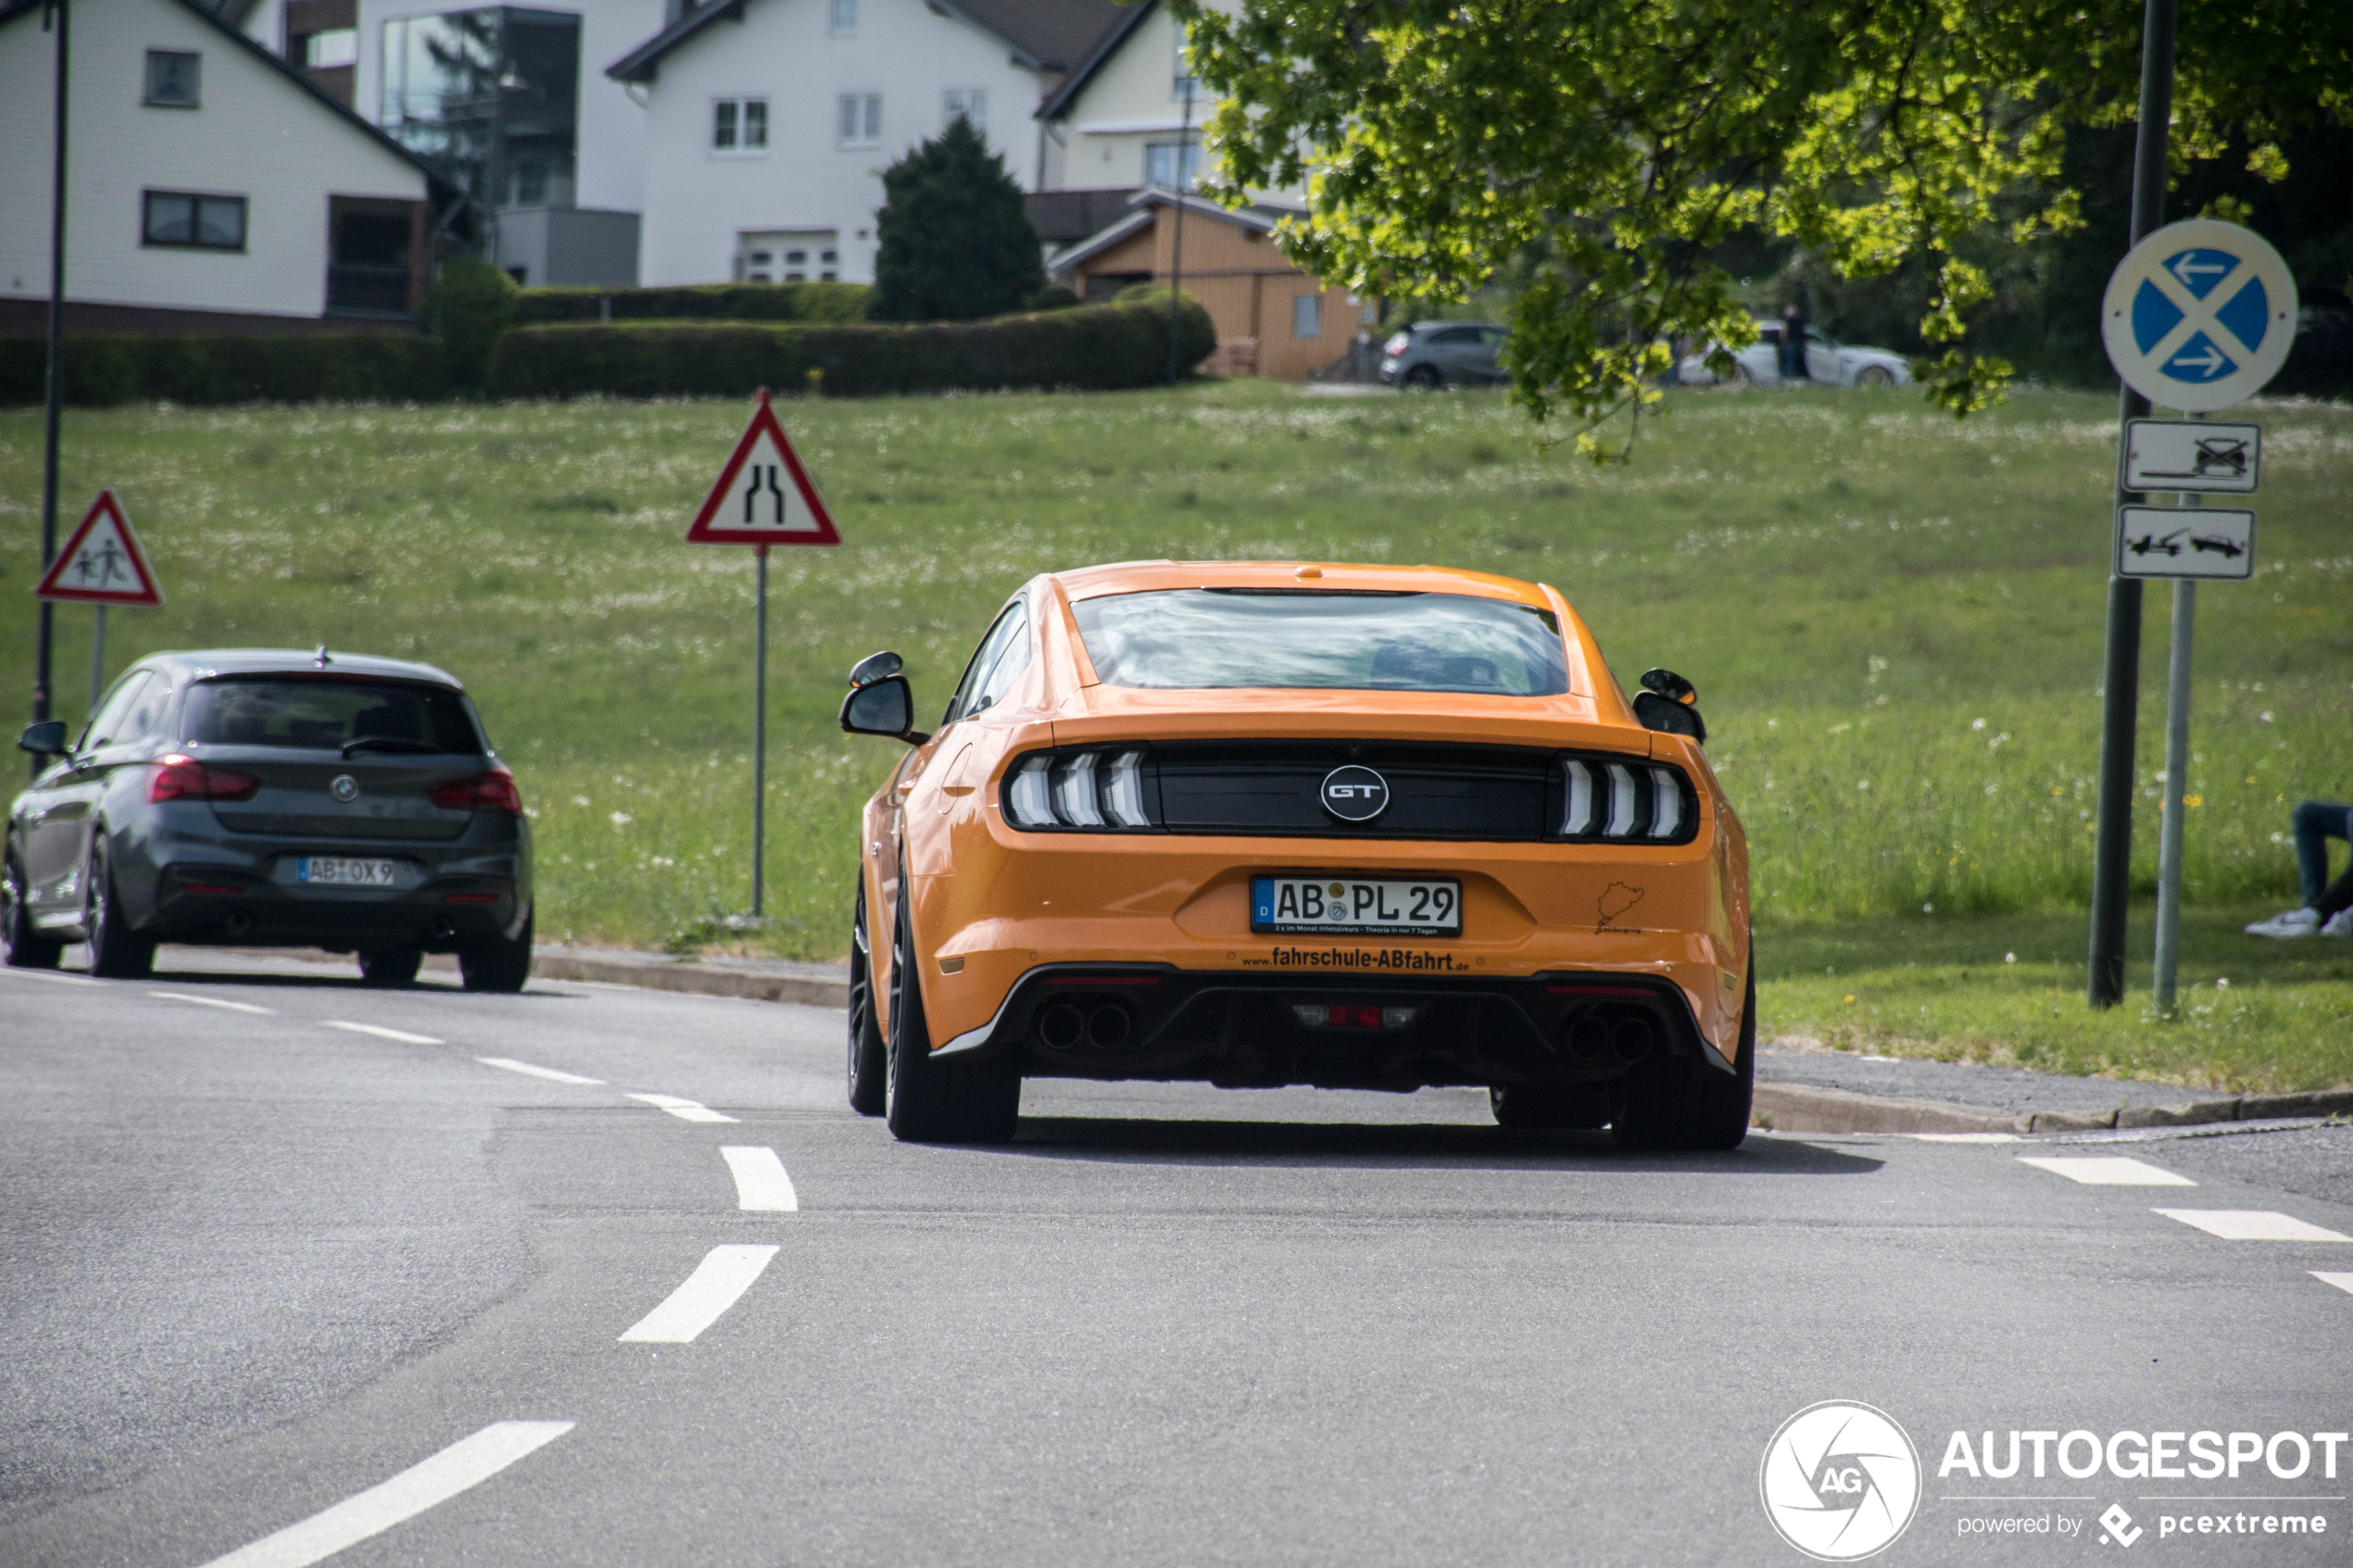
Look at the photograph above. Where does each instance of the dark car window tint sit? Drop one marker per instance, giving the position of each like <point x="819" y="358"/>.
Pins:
<point x="968" y="689"/>
<point x="148" y="713"/>
<point x="1455" y="334"/>
<point x="322" y="715"/>
<point x="1200" y="638"/>
<point x="112" y="720"/>
<point x="1006" y="661"/>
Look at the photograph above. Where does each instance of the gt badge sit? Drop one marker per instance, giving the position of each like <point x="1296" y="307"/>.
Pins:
<point x="346" y="788"/>
<point x="1354" y="795"/>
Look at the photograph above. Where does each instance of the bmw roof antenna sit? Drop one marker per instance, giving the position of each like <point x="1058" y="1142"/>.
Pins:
<point x="323" y="660"/>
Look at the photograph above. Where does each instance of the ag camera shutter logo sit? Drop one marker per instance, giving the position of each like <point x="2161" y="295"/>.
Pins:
<point x="1841" y="1481"/>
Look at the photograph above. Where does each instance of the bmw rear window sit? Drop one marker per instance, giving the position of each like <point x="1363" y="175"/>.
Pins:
<point x="1206" y="638"/>
<point x="326" y="715"/>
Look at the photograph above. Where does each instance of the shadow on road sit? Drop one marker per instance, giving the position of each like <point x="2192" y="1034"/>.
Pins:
<point x="1153" y="1141"/>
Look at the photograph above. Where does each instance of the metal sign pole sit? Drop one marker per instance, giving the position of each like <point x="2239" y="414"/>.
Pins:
<point x="97" y="661"/>
<point x="2112" y="849"/>
<point x="56" y="377"/>
<point x="759" y="736"/>
<point x="2177" y="767"/>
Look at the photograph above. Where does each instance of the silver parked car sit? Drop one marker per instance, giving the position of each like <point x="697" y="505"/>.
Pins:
<point x="272" y="797"/>
<point x="1429" y="355"/>
<point x="1828" y="363"/>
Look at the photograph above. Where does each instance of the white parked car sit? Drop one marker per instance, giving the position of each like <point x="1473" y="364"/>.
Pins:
<point x="1827" y="361"/>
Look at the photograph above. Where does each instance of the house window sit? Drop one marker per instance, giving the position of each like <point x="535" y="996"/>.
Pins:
<point x="1172" y="165"/>
<point x="531" y="184"/>
<point x="173" y="78"/>
<point x="1307" y="316"/>
<point x="844" y="18"/>
<point x="197" y="222"/>
<point x="336" y="47"/>
<point x="740" y="125"/>
<point x="1183" y="80"/>
<point x="861" y="119"/>
<point x="970" y="104"/>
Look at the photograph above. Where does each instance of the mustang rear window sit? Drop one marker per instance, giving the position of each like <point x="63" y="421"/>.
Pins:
<point x="1199" y="638"/>
<point x="325" y="714"/>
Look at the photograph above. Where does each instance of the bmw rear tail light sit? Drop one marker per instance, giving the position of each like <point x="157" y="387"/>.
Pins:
<point x="183" y="778"/>
<point x="1107" y="789"/>
<point x="493" y="791"/>
<point x="1625" y="800"/>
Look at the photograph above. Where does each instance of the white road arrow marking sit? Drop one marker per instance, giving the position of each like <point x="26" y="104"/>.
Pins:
<point x="463" y="1464"/>
<point x="760" y="1182"/>
<point x="724" y="1276"/>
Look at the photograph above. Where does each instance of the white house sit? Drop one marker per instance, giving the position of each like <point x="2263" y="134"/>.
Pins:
<point x="505" y="102"/>
<point x="209" y="187"/>
<point x="1121" y="119"/>
<point x="769" y="122"/>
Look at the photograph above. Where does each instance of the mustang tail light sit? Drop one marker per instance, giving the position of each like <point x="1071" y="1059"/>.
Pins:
<point x="493" y="791"/>
<point x="1626" y="799"/>
<point x="1102" y="790"/>
<point x="179" y="777"/>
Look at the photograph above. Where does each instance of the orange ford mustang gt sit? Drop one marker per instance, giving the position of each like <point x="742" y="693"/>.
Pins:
<point x="1253" y="823"/>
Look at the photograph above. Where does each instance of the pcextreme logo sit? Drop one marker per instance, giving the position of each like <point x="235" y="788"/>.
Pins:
<point x="1840" y="1481"/>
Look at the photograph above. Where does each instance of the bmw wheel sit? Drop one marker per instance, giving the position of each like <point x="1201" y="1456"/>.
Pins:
<point x="26" y="947"/>
<point x="869" y="1052"/>
<point x="929" y="1100"/>
<point x="500" y="964"/>
<point x="117" y="952"/>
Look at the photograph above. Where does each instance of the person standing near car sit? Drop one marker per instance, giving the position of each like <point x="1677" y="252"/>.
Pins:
<point x="2327" y="908"/>
<point x="1794" y="343"/>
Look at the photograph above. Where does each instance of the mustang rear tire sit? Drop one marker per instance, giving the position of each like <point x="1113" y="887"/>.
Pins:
<point x="390" y="966"/>
<point x="500" y="964"/>
<point x="934" y="1101"/>
<point x="869" y="1052"/>
<point x="26" y="948"/>
<point x="117" y="952"/>
<point x="1684" y="1107"/>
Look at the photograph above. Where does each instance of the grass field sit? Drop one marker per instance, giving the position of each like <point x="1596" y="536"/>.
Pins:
<point x="1893" y="622"/>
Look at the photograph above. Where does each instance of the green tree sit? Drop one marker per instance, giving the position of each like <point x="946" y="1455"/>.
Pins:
<point x="1628" y="142"/>
<point x="956" y="243"/>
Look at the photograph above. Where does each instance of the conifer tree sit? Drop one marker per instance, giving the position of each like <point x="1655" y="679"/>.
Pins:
<point x="956" y="243"/>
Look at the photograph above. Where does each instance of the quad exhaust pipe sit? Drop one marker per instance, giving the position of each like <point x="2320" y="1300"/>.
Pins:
<point x="1065" y="1026"/>
<point x="1625" y="1040"/>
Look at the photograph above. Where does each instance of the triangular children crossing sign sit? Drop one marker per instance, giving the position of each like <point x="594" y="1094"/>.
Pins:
<point x="102" y="564"/>
<point x="763" y="495"/>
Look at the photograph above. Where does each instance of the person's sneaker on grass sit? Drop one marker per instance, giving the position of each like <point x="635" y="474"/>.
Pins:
<point x="2294" y="922"/>
<point x="2339" y="925"/>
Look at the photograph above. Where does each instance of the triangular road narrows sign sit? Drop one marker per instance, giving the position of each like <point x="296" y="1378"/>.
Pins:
<point x="102" y="564"/>
<point x="763" y="495"/>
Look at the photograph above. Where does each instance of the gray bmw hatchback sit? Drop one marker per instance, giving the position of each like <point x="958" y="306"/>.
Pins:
<point x="273" y="797"/>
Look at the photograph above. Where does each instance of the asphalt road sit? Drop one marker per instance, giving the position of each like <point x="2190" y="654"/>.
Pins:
<point x="262" y="1267"/>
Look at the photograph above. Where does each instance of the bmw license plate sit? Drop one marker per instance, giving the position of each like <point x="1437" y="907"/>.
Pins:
<point x="334" y="871"/>
<point x="1310" y="906"/>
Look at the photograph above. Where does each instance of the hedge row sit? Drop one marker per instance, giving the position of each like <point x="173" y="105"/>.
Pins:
<point x="299" y="368"/>
<point x="1092" y="347"/>
<point x="711" y="302"/>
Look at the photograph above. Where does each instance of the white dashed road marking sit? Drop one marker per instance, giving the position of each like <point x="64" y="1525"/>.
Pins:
<point x="2251" y="1225"/>
<point x="207" y="1001"/>
<point x="52" y="979"/>
<point x="685" y="1110"/>
<point x="511" y="1065"/>
<point x="760" y="1182"/>
<point x="2110" y="1171"/>
<point x="380" y="1032"/>
<point x="465" y="1463"/>
<point x="2343" y="1281"/>
<point x="725" y="1274"/>
<point x="1965" y="1137"/>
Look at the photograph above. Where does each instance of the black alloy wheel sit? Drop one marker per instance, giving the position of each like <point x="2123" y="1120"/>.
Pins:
<point x="117" y="952"/>
<point x="1424" y="378"/>
<point x="390" y="966"/>
<point x="869" y="1052"/>
<point x="26" y="948"/>
<point x="1682" y="1106"/>
<point x="500" y="964"/>
<point x="935" y="1101"/>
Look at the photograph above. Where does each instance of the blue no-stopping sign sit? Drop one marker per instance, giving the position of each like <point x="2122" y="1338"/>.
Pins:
<point x="2199" y="316"/>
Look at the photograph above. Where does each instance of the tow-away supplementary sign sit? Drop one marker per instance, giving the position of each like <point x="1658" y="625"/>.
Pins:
<point x="2199" y="314"/>
<point x="763" y="495"/>
<point x="2192" y="455"/>
<point x="102" y="564"/>
<point x="2183" y="542"/>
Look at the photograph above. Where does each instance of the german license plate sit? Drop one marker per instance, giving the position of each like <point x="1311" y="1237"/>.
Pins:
<point x="334" y="871"/>
<point x="1312" y="905"/>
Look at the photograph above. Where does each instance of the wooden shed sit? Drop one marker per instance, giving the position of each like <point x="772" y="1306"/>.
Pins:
<point x="1272" y="318"/>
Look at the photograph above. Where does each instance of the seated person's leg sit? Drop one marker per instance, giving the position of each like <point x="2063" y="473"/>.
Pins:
<point x="2317" y="822"/>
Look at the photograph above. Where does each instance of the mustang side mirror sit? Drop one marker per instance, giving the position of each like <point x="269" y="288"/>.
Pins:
<point x="1669" y="704"/>
<point x="885" y="707"/>
<point x="45" y="739"/>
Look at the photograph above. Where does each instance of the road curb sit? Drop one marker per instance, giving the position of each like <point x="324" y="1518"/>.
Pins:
<point x="703" y="980"/>
<point x="1801" y="1108"/>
